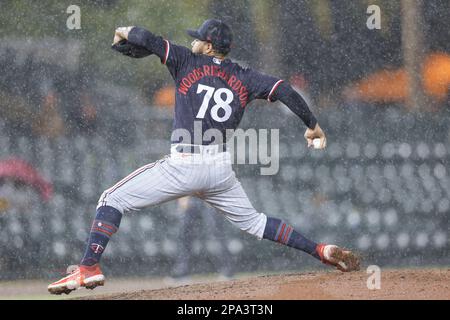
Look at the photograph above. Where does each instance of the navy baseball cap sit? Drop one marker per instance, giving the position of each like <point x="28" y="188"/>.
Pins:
<point x="216" y="32"/>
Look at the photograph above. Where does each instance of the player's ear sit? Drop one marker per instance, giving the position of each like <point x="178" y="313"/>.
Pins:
<point x="209" y="48"/>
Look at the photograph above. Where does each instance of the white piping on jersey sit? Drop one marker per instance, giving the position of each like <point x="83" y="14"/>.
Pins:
<point x="273" y="89"/>
<point x="167" y="51"/>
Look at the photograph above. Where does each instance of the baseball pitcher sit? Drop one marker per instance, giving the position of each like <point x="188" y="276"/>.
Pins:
<point x="212" y="93"/>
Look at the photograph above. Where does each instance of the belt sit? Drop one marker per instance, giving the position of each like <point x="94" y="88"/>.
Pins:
<point x="194" y="148"/>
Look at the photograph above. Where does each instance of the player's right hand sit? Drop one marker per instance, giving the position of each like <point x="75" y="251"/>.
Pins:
<point x="121" y="33"/>
<point x="316" y="133"/>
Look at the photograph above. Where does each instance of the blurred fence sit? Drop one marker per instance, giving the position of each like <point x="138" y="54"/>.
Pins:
<point x="381" y="187"/>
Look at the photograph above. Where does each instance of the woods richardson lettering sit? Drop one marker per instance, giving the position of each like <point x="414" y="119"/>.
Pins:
<point x="226" y="309"/>
<point x="210" y="70"/>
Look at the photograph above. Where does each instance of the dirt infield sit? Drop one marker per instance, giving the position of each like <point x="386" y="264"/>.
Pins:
<point x="395" y="284"/>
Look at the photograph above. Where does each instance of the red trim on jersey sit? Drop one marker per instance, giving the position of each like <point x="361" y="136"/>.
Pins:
<point x="275" y="86"/>
<point x="167" y="51"/>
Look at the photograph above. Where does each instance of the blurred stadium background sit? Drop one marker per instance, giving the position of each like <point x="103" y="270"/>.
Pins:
<point x="76" y="117"/>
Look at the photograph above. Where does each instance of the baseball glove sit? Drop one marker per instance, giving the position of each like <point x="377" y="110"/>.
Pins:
<point x="131" y="50"/>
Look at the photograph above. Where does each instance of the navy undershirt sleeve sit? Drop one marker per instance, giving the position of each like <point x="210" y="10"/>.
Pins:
<point x="294" y="101"/>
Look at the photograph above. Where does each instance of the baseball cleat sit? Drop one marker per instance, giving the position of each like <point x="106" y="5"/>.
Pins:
<point x="81" y="276"/>
<point x="344" y="260"/>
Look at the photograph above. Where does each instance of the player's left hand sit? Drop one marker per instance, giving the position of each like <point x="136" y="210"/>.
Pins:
<point x="316" y="133"/>
<point x="121" y="33"/>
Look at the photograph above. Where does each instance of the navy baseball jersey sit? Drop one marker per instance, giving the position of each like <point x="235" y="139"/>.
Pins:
<point x="208" y="90"/>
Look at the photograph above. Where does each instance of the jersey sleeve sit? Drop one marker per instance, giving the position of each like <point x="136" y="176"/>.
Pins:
<point x="144" y="38"/>
<point x="176" y="57"/>
<point x="263" y="86"/>
<point x="171" y="55"/>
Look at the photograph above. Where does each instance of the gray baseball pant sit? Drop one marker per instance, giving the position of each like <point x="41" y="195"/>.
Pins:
<point x="207" y="175"/>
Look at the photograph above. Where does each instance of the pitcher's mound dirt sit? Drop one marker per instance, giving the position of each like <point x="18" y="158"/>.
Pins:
<point x="395" y="284"/>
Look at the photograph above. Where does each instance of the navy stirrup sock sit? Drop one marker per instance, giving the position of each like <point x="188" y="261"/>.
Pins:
<point x="106" y="223"/>
<point x="279" y="231"/>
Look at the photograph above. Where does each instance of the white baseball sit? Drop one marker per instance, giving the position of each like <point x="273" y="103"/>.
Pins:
<point x="316" y="143"/>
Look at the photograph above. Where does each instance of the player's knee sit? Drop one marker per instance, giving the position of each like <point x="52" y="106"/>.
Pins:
<point x="256" y="225"/>
<point x="107" y="199"/>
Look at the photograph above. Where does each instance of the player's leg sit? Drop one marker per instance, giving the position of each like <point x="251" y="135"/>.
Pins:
<point x="149" y="185"/>
<point x="280" y="231"/>
<point x="237" y="208"/>
<point x="144" y="187"/>
<point x="233" y="202"/>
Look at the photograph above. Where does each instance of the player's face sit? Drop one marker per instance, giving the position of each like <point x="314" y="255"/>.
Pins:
<point x="200" y="47"/>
